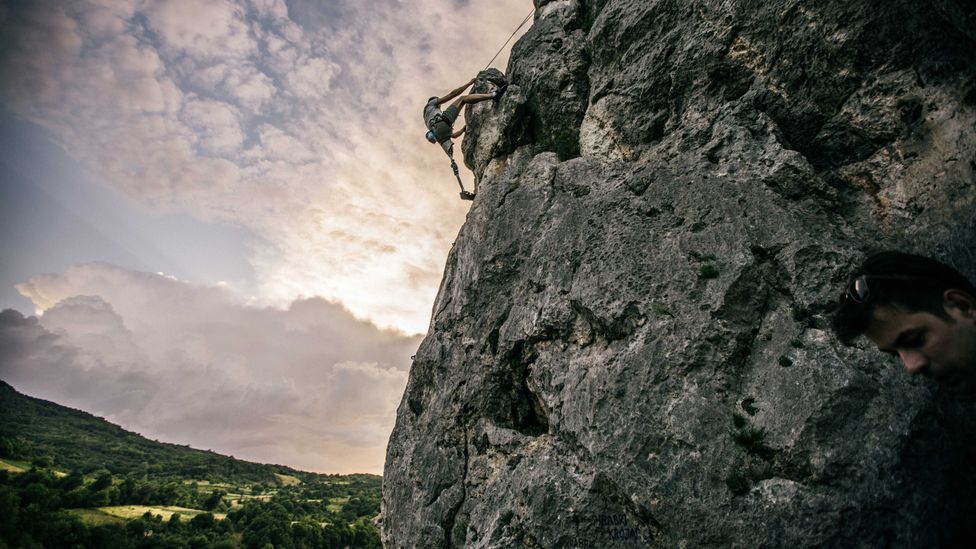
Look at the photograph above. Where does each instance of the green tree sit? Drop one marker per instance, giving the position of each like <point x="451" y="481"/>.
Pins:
<point x="203" y="521"/>
<point x="213" y="500"/>
<point x="139" y="528"/>
<point x="99" y="499"/>
<point x="102" y="481"/>
<point x="8" y="448"/>
<point x="269" y="527"/>
<point x="79" y="497"/>
<point x="109" y="535"/>
<point x="39" y="495"/>
<point x="9" y="512"/>
<point x="72" y="481"/>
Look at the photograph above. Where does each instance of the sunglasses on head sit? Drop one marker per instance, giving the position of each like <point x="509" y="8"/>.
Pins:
<point x="859" y="292"/>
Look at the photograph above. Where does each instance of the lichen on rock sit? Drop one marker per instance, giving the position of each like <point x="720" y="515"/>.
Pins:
<point x="629" y="347"/>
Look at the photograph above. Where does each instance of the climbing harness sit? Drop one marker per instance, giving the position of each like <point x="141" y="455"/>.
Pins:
<point x="509" y="38"/>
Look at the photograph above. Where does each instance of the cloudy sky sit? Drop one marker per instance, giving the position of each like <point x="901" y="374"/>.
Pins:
<point x="220" y="224"/>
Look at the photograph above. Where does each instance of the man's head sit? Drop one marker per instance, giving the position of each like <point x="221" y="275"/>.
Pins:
<point x="918" y="309"/>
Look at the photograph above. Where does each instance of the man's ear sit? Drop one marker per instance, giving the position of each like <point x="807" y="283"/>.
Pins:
<point x="961" y="300"/>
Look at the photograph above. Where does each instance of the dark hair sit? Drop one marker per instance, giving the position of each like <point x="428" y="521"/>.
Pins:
<point x="903" y="281"/>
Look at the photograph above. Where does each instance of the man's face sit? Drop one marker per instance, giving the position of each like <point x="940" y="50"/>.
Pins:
<point x="940" y="349"/>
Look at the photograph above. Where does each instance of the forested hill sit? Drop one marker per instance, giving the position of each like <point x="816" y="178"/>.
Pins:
<point x="70" y="479"/>
<point x="33" y="429"/>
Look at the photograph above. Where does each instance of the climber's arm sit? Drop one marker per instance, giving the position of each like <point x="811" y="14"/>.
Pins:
<point x="459" y="132"/>
<point x="454" y="93"/>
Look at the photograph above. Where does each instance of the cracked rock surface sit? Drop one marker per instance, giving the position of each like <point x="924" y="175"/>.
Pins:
<point x="630" y="345"/>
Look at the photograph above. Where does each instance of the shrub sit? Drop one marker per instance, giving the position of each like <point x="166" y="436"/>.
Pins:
<point x="707" y="271"/>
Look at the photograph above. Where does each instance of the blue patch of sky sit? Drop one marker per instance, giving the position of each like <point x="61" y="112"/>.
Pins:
<point x="53" y="216"/>
<point x="324" y="17"/>
<point x="141" y="30"/>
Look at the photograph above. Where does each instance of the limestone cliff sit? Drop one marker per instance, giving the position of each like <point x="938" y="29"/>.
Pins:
<point x="630" y="343"/>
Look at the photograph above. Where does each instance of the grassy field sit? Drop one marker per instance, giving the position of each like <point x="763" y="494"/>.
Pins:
<point x="17" y="466"/>
<point x="335" y="504"/>
<point x="96" y="517"/>
<point x="127" y="512"/>
<point x="14" y="466"/>
<point x="288" y="480"/>
<point x="207" y="487"/>
<point x="236" y="500"/>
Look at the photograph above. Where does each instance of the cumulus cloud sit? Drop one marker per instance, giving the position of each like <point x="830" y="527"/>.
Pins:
<point x="310" y="386"/>
<point x="216" y="126"/>
<point x="200" y="29"/>
<point x="298" y="120"/>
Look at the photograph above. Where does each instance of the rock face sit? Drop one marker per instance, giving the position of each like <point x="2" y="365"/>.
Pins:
<point x="630" y="344"/>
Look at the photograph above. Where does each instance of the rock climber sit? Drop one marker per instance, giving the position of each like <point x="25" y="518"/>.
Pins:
<point x="440" y="124"/>
<point x="918" y="309"/>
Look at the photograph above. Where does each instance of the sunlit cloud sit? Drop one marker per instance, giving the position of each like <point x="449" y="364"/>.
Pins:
<point x="309" y="386"/>
<point x="300" y="121"/>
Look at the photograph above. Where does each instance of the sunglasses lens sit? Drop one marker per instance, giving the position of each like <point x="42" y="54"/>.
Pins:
<point x="859" y="289"/>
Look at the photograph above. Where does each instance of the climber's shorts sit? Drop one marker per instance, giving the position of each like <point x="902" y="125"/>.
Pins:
<point x="444" y="126"/>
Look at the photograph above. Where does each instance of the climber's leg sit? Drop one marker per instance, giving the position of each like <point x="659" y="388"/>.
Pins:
<point x="472" y="98"/>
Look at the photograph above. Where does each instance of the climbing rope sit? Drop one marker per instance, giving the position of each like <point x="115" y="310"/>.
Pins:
<point x="465" y="195"/>
<point x="509" y="38"/>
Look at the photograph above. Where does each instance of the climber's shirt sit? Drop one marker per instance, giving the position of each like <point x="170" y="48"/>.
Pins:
<point x="431" y="110"/>
<point x="441" y="122"/>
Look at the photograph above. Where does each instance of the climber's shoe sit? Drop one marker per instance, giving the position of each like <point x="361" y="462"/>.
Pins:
<point x="499" y="91"/>
<point x="465" y="195"/>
